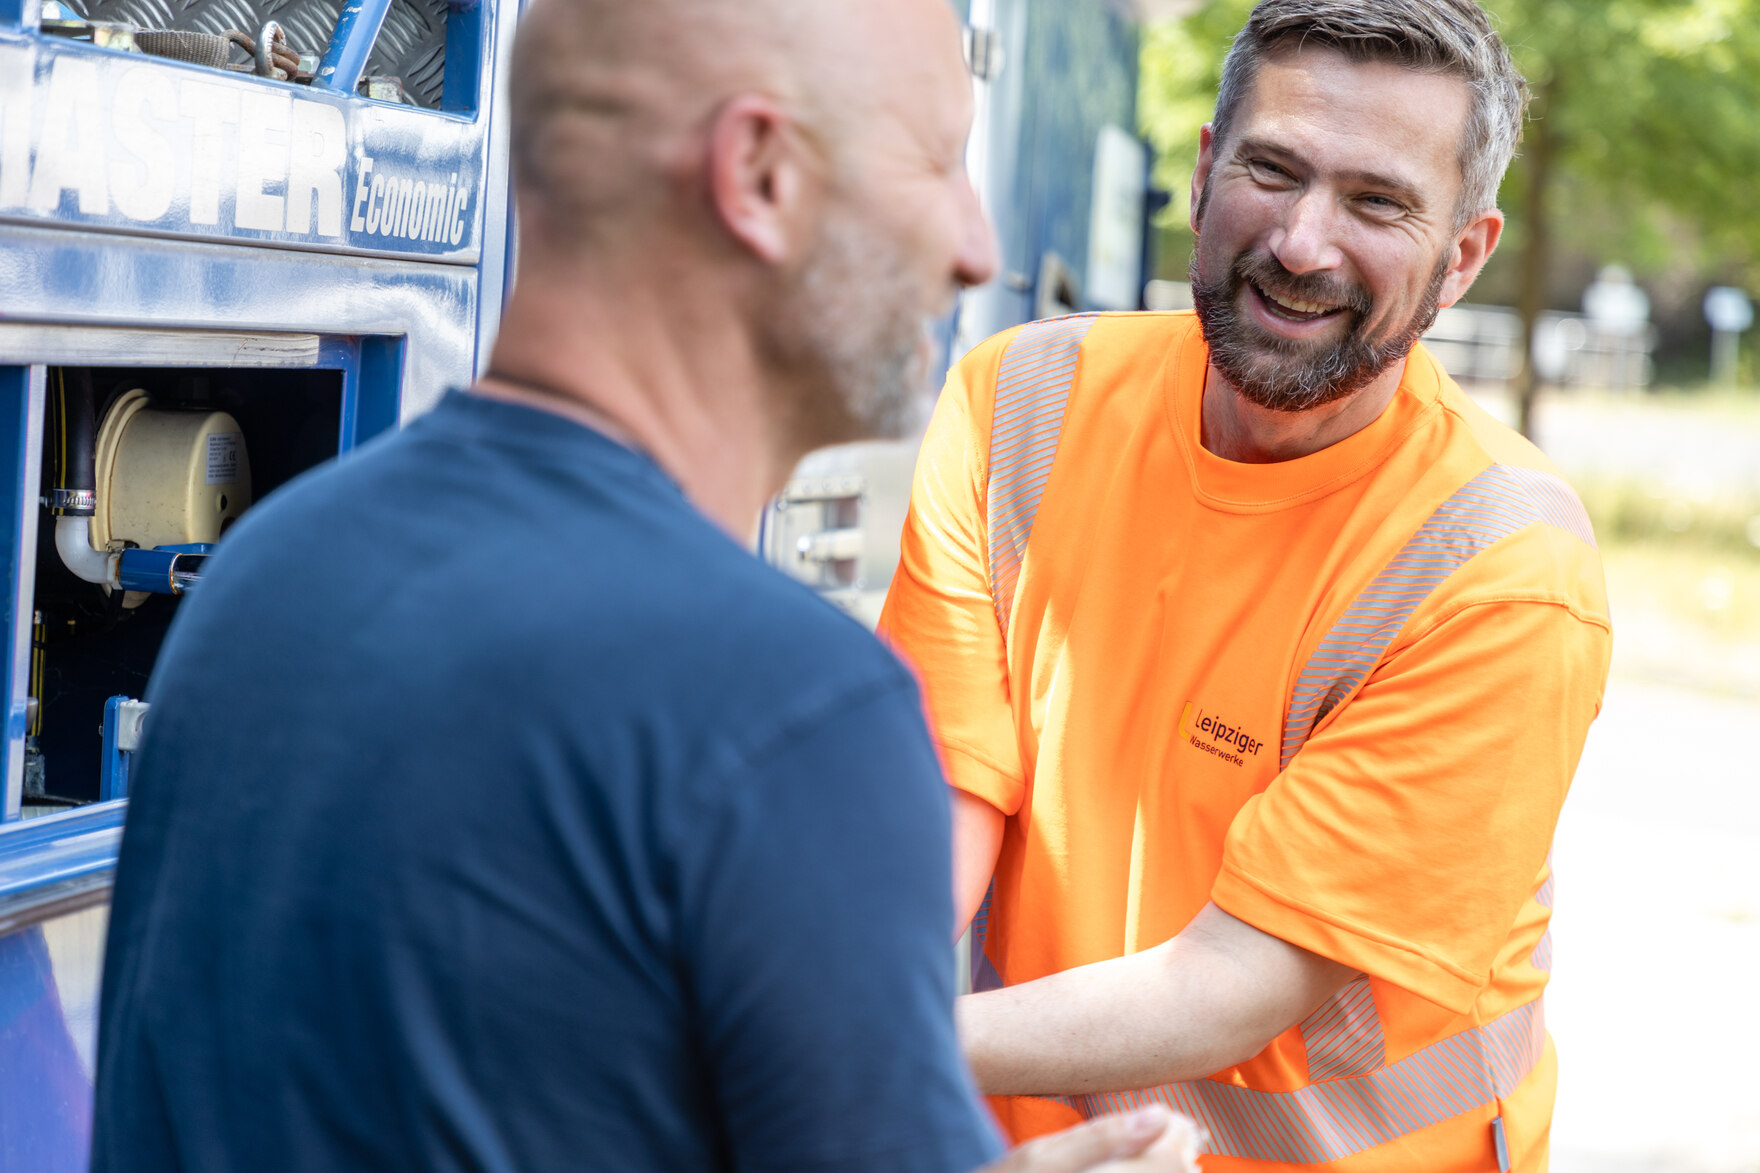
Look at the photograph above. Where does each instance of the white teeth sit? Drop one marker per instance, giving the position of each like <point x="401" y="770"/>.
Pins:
<point x="1300" y="307"/>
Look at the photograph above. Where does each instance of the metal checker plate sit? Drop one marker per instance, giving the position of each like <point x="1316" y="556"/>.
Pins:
<point x="411" y="44"/>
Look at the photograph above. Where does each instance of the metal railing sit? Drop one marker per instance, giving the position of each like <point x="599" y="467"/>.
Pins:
<point x="1482" y="344"/>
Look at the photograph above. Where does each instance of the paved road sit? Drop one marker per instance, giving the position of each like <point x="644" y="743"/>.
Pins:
<point x="1653" y="1002"/>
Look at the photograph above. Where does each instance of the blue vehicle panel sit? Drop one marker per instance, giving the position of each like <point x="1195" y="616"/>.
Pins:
<point x="98" y="138"/>
<point x="318" y="267"/>
<point x="1067" y="72"/>
<point x="317" y="263"/>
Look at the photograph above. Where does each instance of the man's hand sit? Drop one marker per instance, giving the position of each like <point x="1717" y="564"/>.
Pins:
<point x="1152" y="1140"/>
<point x="1212" y="997"/>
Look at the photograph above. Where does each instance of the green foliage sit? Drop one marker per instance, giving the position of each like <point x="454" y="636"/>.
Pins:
<point x="1651" y="105"/>
<point x="1624" y="510"/>
<point x="1181" y="68"/>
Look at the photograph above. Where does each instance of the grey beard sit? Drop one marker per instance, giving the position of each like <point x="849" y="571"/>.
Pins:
<point x="853" y="325"/>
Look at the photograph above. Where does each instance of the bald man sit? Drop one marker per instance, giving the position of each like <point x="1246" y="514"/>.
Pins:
<point x="498" y="811"/>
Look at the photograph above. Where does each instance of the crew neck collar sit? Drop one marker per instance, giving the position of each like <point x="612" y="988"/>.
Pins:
<point x="1258" y="488"/>
<point x="464" y="412"/>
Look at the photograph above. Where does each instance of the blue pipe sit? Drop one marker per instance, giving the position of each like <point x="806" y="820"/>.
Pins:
<point x="350" y="44"/>
<point x="168" y="570"/>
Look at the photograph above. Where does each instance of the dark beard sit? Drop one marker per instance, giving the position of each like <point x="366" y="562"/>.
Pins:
<point x="1281" y="375"/>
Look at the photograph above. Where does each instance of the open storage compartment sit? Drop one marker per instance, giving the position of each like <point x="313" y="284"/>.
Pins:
<point x="128" y="477"/>
<point x="178" y="455"/>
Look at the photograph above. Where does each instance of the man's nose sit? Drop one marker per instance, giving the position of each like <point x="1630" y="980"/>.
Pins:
<point x="1303" y="243"/>
<point x="976" y="260"/>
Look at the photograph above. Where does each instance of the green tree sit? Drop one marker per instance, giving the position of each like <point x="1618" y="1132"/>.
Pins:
<point x="1642" y="143"/>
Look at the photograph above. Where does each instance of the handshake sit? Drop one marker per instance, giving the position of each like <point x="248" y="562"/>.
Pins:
<point x="1150" y="1140"/>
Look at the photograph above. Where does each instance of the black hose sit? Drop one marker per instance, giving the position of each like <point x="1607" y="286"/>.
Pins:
<point x="76" y="494"/>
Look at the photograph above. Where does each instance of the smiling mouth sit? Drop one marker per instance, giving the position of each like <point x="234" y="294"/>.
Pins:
<point x="1294" y="309"/>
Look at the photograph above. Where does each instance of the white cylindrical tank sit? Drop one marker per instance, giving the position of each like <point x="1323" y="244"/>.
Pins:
<point x="168" y="477"/>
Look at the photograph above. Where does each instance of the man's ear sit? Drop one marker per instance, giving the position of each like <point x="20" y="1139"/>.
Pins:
<point x="757" y="178"/>
<point x="1472" y="248"/>
<point x="1201" y="173"/>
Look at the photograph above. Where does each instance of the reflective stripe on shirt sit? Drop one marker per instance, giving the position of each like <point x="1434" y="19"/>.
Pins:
<point x="1331" y="1120"/>
<point x="1493" y="505"/>
<point x="1032" y="388"/>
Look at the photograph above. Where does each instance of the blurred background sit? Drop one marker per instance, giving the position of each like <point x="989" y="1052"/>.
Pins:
<point x="1632" y="249"/>
<point x="1614" y="326"/>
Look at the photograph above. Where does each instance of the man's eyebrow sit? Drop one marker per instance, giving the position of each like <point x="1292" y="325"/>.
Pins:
<point x="1393" y="185"/>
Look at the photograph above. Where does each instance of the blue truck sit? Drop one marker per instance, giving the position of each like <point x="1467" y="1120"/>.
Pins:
<point x="239" y="238"/>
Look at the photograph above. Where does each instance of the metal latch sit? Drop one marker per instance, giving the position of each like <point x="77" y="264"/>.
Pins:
<point x="814" y="531"/>
<point x="983" y="52"/>
<point x="832" y="545"/>
<point x="124" y="718"/>
<point x="131" y="719"/>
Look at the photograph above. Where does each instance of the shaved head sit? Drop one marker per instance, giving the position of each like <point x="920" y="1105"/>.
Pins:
<point x="774" y="188"/>
<point x="608" y="95"/>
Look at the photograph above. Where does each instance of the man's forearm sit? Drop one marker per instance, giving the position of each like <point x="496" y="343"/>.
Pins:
<point x="1212" y="997"/>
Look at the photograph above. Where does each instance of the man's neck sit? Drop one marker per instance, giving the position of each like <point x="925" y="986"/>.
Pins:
<point x="1237" y="429"/>
<point x="652" y="376"/>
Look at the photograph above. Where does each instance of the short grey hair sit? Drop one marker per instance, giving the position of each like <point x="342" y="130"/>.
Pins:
<point x="1452" y="37"/>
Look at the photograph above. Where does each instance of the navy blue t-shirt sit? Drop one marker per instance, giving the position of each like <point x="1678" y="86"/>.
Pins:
<point x="497" y="812"/>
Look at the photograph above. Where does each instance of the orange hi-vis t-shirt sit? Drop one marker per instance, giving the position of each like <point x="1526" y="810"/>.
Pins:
<point x="1342" y="696"/>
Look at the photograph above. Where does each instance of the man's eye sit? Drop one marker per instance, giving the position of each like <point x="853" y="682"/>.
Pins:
<point x="1267" y="170"/>
<point x="1381" y="203"/>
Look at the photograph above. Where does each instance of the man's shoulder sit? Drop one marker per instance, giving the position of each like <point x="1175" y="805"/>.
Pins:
<point x="758" y="669"/>
<point x="1473" y="424"/>
<point x="1500" y="508"/>
<point x="1148" y="334"/>
<point x="592" y="571"/>
<point x="785" y="626"/>
<point x="699" y="627"/>
<point x="1047" y="369"/>
<point x="1513" y="471"/>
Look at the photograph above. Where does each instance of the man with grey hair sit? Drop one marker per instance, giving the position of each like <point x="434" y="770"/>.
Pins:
<point x="557" y="831"/>
<point x="1259" y="657"/>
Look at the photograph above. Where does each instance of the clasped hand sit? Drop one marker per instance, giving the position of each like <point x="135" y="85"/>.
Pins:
<point x="1150" y="1140"/>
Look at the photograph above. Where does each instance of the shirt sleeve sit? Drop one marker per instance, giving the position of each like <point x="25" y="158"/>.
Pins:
<point x="1405" y="835"/>
<point x="939" y="613"/>
<point x="817" y="924"/>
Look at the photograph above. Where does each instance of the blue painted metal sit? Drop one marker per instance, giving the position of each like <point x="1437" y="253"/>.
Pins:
<point x="357" y="26"/>
<point x="317" y="306"/>
<point x="464" y="58"/>
<point x="47" y="999"/>
<point x="15" y="400"/>
<point x="1068" y="69"/>
<point x="498" y="249"/>
<point x="369" y="390"/>
<point x="158" y="214"/>
<point x="54" y="880"/>
<point x="113" y="784"/>
<point x="15" y="14"/>
<point x="21" y="423"/>
<point x="147" y="146"/>
<point x="61" y="851"/>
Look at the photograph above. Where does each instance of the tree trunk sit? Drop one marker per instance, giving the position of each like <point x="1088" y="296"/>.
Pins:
<point x="1541" y="145"/>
